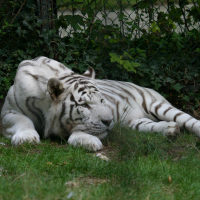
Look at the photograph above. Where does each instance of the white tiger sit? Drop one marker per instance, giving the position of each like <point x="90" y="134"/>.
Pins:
<point x="49" y="98"/>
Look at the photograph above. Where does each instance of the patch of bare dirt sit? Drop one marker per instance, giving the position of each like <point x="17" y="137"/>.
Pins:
<point x="80" y="181"/>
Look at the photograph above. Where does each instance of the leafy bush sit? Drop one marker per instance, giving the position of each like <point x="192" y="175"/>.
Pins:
<point x="159" y="56"/>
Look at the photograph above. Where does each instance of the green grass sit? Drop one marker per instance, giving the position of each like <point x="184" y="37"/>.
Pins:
<point x="140" y="167"/>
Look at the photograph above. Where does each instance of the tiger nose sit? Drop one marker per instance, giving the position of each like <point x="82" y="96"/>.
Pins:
<point x="106" y="122"/>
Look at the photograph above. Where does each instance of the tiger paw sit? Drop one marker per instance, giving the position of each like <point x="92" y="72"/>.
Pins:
<point x="85" y="140"/>
<point x="172" y="129"/>
<point x="28" y="136"/>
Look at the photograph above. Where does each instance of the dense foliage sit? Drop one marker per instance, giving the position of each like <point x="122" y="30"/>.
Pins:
<point x="159" y="56"/>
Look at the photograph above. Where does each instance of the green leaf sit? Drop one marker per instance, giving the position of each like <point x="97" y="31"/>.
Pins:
<point x="178" y="87"/>
<point x="154" y="27"/>
<point x="114" y="57"/>
<point x="125" y="53"/>
<point x="186" y="98"/>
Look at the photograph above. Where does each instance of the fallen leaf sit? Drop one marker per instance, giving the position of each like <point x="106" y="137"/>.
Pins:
<point x="170" y="179"/>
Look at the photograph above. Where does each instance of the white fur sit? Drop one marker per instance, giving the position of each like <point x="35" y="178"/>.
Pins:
<point x="30" y="136"/>
<point x="88" y="141"/>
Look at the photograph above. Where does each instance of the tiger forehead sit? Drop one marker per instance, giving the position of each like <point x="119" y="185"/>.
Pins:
<point x="87" y="93"/>
<point x="82" y="85"/>
<point x="86" y="88"/>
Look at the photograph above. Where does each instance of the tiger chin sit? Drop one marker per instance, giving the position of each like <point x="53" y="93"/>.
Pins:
<point x="48" y="99"/>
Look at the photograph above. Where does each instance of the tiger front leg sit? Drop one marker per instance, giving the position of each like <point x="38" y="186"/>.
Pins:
<point x="85" y="140"/>
<point x="19" y="129"/>
<point x="147" y="125"/>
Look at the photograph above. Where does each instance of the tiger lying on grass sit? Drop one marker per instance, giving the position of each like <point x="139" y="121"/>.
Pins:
<point x="49" y="98"/>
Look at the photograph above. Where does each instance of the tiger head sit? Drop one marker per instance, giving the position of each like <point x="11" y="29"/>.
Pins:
<point x="77" y="105"/>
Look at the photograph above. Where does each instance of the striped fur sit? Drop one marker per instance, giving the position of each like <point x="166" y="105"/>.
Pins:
<point x="49" y="98"/>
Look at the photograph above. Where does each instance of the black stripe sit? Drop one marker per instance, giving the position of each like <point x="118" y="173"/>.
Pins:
<point x="71" y="109"/>
<point x="88" y="75"/>
<point x="137" y="126"/>
<point x="80" y="99"/>
<point x="48" y="60"/>
<point x="187" y="121"/>
<point x="26" y="64"/>
<point x="61" y="78"/>
<point x="75" y="86"/>
<point x="144" y="105"/>
<point x="78" y="119"/>
<point x="164" y="113"/>
<point x="71" y="79"/>
<point x="148" y="123"/>
<point x="82" y="78"/>
<point x="89" y="96"/>
<point x="62" y="66"/>
<point x="37" y="77"/>
<point x="157" y="108"/>
<point x="91" y="87"/>
<point x="118" y="111"/>
<point x="85" y="83"/>
<point x="73" y="99"/>
<point x="154" y="116"/>
<point x="30" y="103"/>
<point x="177" y="115"/>
<point x="117" y="87"/>
<point x="153" y="99"/>
<point x="126" y="91"/>
<point x="194" y="123"/>
<point x="111" y="91"/>
<point x="81" y="89"/>
<point x="62" y="126"/>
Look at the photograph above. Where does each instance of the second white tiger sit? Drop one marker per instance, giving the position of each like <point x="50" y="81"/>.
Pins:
<point x="49" y="98"/>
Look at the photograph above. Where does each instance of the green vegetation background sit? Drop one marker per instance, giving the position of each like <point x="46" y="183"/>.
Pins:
<point x="157" y="57"/>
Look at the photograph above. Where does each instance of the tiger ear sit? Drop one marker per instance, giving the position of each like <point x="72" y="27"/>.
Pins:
<point x="55" y="88"/>
<point x="90" y="73"/>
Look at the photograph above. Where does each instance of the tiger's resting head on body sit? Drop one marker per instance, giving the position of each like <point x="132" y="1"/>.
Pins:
<point x="50" y="99"/>
<point x="80" y="105"/>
